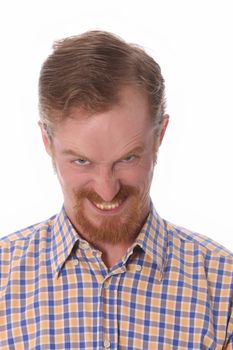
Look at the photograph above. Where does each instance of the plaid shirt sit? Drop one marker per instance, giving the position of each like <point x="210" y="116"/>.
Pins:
<point x="172" y="290"/>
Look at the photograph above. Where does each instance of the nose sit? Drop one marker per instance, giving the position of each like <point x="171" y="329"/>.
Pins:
<point x="106" y="185"/>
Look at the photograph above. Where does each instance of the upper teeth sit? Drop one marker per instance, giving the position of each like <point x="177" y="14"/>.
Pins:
<point x="107" y="206"/>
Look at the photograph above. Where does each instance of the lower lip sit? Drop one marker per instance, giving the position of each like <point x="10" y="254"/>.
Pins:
<point x="109" y="211"/>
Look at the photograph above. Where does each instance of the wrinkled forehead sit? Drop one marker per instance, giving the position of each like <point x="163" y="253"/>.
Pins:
<point x="126" y="125"/>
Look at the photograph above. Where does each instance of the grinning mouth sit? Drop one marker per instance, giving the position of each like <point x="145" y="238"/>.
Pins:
<point x="107" y="205"/>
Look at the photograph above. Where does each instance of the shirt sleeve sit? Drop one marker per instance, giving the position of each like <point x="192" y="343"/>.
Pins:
<point x="229" y="340"/>
<point x="5" y="256"/>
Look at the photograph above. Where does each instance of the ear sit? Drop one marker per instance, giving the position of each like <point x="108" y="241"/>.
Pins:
<point x="45" y="138"/>
<point x="163" y="128"/>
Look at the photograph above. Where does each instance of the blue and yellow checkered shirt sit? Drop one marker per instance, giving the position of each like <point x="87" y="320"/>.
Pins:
<point x="172" y="290"/>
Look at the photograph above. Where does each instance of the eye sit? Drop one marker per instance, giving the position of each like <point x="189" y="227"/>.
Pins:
<point x="128" y="159"/>
<point x="82" y="161"/>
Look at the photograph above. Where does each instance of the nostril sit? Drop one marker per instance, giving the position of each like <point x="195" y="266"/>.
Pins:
<point x="107" y="191"/>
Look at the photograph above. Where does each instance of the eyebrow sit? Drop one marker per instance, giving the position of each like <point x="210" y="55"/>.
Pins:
<point x="70" y="152"/>
<point x="138" y="150"/>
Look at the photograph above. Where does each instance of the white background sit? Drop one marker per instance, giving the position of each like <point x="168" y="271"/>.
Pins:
<point x="191" y="40"/>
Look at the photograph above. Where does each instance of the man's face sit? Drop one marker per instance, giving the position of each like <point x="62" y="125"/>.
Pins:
<point x="105" y="164"/>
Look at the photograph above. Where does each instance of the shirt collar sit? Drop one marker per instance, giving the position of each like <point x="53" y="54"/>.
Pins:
<point x="64" y="237"/>
<point x="152" y="239"/>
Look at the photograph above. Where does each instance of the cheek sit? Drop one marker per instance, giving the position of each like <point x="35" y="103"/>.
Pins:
<point x="139" y="176"/>
<point x="146" y="175"/>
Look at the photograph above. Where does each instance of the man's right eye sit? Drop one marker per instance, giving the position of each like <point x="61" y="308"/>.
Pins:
<point x="82" y="161"/>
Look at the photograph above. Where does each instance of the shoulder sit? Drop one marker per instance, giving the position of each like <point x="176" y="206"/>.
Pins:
<point x="205" y="243"/>
<point x="22" y="248"/>
<point x="24" y="236"/>
<point x="202" y="259"/>
<point x="18" y="245"/>
<point x="194" y="245"/>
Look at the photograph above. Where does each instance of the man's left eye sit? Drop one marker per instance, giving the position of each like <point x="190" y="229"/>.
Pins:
<point x="128" y="159"/>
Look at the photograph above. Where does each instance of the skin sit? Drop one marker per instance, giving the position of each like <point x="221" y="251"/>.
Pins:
<point x="101" y="153"/>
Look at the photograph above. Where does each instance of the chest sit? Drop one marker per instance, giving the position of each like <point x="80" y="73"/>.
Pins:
<point x="129" y="308"/>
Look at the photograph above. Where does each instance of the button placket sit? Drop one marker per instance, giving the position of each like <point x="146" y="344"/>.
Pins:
<point x="109" y="297"/>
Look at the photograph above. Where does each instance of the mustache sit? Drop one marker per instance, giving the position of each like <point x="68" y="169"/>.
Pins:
<point x="124" y="192"/>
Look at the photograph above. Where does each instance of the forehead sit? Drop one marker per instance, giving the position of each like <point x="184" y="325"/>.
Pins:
<point x="108" y="134"/>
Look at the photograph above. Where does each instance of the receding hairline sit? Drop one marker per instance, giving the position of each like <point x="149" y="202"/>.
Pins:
<point x="87" y="71"/>
<point x="86" y="112"/>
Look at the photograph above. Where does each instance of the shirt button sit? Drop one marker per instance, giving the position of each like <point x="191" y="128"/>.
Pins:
<point x="84" y="245"/>
<point x="107" y="344"/>
<point x="76" y="262"/>
<point x="138" y="268"/>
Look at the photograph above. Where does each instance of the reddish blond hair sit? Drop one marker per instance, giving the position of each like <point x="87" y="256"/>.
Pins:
<point x="89" y="70"/>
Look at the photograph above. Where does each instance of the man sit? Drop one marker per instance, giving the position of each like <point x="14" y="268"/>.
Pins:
<point x="107" y="272"/>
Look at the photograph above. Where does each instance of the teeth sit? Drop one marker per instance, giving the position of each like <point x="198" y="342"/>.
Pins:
<point x="107" y="206"/>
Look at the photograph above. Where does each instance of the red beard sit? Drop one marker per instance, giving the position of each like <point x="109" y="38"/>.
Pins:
<point x="110" y="229"/>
